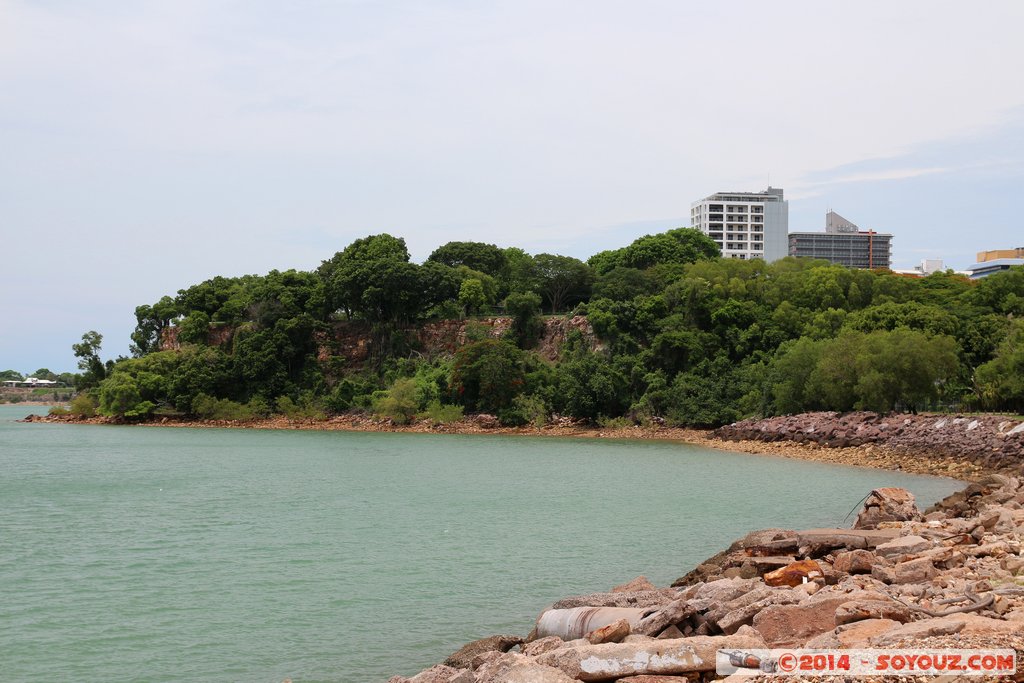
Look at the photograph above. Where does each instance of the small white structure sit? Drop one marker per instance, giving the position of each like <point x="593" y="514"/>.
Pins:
<point x="32" y="383"/>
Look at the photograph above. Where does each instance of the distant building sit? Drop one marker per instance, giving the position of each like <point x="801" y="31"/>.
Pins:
<point x="996" y="260"/>
<point x="843" y="243"/>
<point x="745" y="225"/>
<point x="32" y="382"/>
<point x="926" y="267"/>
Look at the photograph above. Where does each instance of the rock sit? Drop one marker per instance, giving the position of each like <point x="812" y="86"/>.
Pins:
<point x="859" y="610"/>
<point x="656" y="657"/>
<point x="996" y="549"/>
<point x="612" y="633"/>
<point x="975" y="624"/>
<point x="671" y="632"/>
<point x="670" y="614"/>
<point x="819" y="541"/>
<point x="904" y="545"/>
<point x="742" y="613"/>
<point x="887" y="505"/>
<point x="463" y="659"/>
<point x="485" y="421"/>
<point x="464" y="676"/>
<point x="855" y="562"/>
<point x="940" y="626"/>
<point x="859" y="634"/>
<point x="725" y="590"/>
<point x="914" y="571"/>
<point x="647" y="598"/>
<point x="794" y="574"/>
<point x="439" y="673"/>
<point x="528" y="672"/>
<point x="640" y="583"/>
<point x="792" y="625"/>
<point x="542" y="645"/>
<point x="652" y="679"/>
<point x="884" y="574"/>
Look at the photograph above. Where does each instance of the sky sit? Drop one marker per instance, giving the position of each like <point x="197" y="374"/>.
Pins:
<point x="150" y="145"/>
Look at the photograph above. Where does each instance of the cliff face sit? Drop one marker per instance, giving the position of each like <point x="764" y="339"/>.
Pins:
<point x="352" y="341"/>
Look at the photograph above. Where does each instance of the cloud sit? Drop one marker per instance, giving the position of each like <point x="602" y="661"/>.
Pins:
<point x="209" y="137"/>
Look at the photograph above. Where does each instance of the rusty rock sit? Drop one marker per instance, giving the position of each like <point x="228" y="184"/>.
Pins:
<point x="612" y="633"/>
<point x="794" y="574"/>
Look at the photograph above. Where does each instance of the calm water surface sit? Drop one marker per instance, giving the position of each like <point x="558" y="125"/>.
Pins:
<point x="149" y="554"/>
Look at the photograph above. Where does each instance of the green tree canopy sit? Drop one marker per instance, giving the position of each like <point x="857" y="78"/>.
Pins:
<point x="486" y="258"/>
<point x="561" y="279"/>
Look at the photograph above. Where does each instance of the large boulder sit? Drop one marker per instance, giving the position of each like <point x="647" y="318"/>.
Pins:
<point x="887" y="505"/>
<point x="793" y="625"/>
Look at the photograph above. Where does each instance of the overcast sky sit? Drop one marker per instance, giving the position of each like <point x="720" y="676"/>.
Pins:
<point x="146" y="146"/>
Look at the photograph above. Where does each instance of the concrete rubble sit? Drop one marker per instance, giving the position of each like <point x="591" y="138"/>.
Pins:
<point x="952" y="576"/>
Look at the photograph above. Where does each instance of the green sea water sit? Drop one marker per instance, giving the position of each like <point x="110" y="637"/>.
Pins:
<point x="167" y="554"/>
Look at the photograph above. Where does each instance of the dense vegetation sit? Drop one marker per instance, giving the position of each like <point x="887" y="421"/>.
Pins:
<point x="680" y="335"/>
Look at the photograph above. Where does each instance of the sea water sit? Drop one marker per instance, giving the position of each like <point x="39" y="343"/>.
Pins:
<point x="173" y="554"/>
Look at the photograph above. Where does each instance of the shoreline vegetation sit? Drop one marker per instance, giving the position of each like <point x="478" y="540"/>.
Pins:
<point x="663" y="330"/>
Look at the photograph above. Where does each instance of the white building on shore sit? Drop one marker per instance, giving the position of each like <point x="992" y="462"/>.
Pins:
<point x="745" y="225"/>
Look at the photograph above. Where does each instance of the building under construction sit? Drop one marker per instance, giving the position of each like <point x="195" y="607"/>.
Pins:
<point x="843" y="243"/>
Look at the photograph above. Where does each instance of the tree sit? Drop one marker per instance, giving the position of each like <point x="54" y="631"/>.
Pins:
<point x="560" y="278"/>
<point x="604" y="262"/>
<point x="518" y="274"/>
<point x="1000" y="382"/>
<point x="681" y="245"/>
<point x="622" y="283"/>
<point x="152" y="321"/>
<point x="485" y="258"/>
<point x="8" y="375"/>
<point x="348" y="273"/>
<point x="471" y="295"/>
<point x="87" y="352"/>
<point x="527" y="323"/>
<point x="120" y="397"/>
<point x="487" y="375"/>
<point x="790" y="375"/>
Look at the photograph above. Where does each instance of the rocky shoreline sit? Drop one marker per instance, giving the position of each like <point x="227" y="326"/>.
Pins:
<point x="953" y="449"/>
<point x="952" y="577"/>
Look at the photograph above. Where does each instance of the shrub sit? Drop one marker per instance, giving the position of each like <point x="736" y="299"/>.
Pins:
<point x="210" y="408"/>
<point x="83" y="405"/>
<point x="438" y="413"/>
<point x="307" y="407"/>
<point x="525" y="409"/>
<point x="59" y="411"/>
<point x="399" y="403"/>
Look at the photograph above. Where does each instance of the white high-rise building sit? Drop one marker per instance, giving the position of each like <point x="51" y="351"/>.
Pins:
<point x="745" y="225"/>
